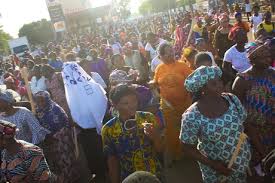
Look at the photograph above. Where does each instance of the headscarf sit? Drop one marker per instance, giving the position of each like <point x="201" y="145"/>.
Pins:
<point x="7" y="129"/>
<point x="119" y="76"/>
<point x="234" y="32"/>
<point x="7" y="96"/>
<point x="200" y="77"/>
<point x="51" y="116"/>
<point x="257" y="51"/>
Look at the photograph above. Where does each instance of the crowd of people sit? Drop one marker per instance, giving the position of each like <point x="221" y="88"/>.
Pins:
<point x="136" y="101"/>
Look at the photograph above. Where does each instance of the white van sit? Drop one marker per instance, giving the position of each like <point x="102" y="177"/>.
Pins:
<point x="19" y="46"/>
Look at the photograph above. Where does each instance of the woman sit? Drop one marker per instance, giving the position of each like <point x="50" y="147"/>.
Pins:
<point x="21" y="161"/>
<point x="188" y="56"/>
<point x="59" y="148"/>
<point x="215" y="121"/>
<point x="55" y="86"/>
<point x="235" y="59"/>
<point x="38" y="82"/>
<point x="169" y="77"/>
<point x="130" y="141"/>
<point x="29" y="128"/>
<point x="255" y="88"/>
<point x="221" y="41"/>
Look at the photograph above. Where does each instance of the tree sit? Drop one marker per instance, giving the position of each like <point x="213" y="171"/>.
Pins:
<point x="122" y="9"/>
<point x="145" y="7"/>
<point x="39" y="32"/>
<point x="157" y="5"/>
<point x="4" y="38"/>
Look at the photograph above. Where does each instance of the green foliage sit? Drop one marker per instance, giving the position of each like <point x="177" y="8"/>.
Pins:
<point x="37" y="32"/>
<point x="145" y="7"/>
<point x="186" y="2"/>
<point x="122" y="9"/>
<point x="4" y="38"/>
<point x="156" y="6"/>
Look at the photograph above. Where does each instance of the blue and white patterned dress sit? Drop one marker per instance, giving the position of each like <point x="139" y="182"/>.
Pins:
<point x="217" y="139"/>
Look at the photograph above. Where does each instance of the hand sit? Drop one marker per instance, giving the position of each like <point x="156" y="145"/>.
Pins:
<point x="150" y="131"/>
<point x="221" y="168"/>
<point x="152" y="85"/>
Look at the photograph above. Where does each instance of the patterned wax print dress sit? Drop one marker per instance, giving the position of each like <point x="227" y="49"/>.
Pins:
<point x="134" y="150"/>
<point x="259" y="102"/>
<point x="28" y="165"/>
<point x="217" y="139"/>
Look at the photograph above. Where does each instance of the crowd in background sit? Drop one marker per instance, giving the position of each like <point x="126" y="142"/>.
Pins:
<point x="177" y="85"/>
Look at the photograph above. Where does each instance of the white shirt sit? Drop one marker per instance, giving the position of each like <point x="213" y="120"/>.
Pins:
<point x="153" y="52"/>
<point x="256" y="21"/>
<point x="38" y="85"/>
<point x="239" y="60"/>
<point x="155" y="63"/>
<point x="248" y="8"/>
<point x="116" y="47"/>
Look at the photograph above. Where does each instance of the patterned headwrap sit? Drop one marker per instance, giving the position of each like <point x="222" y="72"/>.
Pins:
<point x="49" y="103"/>
<point x="119" y="76"/>
<point x="51" y="116"/>
<point x="7" y="96"/>
<point x="257" y="51"/>
<point x="7" y="129"/>
<point x="200" y="77"/>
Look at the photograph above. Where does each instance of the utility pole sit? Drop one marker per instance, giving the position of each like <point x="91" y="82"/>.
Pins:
<point x="191" y="6"/>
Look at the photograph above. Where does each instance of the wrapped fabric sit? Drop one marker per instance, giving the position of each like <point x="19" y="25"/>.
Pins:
<point x="86" y="99"/>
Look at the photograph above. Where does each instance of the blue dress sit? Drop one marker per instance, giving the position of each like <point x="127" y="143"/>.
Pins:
<point x="217" y="139"/>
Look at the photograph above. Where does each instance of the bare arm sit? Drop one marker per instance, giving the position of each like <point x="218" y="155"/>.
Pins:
<point x="114" y="169"/>
<point x="228" y="71"/>
<point x="193" y="152"/>
<point x="239" y="87"/>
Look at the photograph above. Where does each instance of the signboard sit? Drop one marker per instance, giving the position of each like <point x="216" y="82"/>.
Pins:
<point x="59" y="26"/>
<point x="52" y="2"/>
<point x="57" y="16"/>
<point x="74" y="6"/>
<point x="56" y="13"/>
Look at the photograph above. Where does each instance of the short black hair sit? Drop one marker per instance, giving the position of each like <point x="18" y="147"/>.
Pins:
<point x="202" y="56"/>
<point x="47" y="68"/>
<point x="114" y="57"/>
<point x="120" y="91"/>
<point x="162" y="48"/>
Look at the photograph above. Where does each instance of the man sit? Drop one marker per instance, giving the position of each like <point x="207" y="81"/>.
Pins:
<point x="267" y="24"/>
<point x="54" y="62"/>
<point x="256" y="19"/>
<point x="153" y="42"/>
<point x="96" y="64"/>
<point x="135" y="60"/>
<point x="240" y="23"/>
<point x="248" y="9"/>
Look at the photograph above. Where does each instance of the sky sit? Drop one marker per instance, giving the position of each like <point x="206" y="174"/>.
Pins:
<point x="16" y="13"/>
